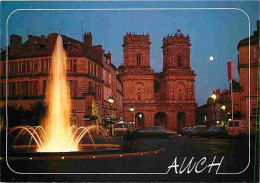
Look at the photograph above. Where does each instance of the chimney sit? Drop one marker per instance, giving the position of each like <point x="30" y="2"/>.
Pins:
<point x="88" y="39"/>
<point x="15" y="41"/>
<point x="218" y="91"/>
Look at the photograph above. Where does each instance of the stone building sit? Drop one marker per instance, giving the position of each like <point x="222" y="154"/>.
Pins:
<point x="249" y="111"/>
<point x="160" y="99"/>
<point x="88" y="66"/>
<point x="213" y="113"/>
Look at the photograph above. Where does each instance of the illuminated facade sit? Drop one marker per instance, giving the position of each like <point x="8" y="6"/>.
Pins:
<point x="243" y="69"/>
<point x="88" y="68"/>
<point x="160" y="99"/>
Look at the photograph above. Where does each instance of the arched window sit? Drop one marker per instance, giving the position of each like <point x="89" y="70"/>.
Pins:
<point x="138" y="58"/>
<point x="179" y="61"/>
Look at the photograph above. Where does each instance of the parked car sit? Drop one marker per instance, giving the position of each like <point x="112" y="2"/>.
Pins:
<point x="120" y="128"/>
<point x="183" y="131"/>
<point x="154" y="131"/>
<point x="214" y="131"/>
<point x="196" y="130"/>
<point x="240" y="128"/>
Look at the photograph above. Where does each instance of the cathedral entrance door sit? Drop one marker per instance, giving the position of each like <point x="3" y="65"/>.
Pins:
<point x="181" y="120"/>
<point x="139" y="120"/>
<point x="160" y="119"/>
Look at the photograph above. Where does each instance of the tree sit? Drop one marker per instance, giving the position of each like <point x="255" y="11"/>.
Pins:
<point x="15" y="114"/>
<point x="37" y="113"/>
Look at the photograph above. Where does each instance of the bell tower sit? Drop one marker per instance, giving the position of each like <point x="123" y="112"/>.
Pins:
<point x="136" y="50"/>
<point x="138" y="80"/>
<point x="176" y="52"/>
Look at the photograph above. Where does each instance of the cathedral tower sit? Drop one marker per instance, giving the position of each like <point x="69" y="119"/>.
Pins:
<point x="138" y="79"/>
<point x="176" y="52"/>
<point x="136" y="50"/>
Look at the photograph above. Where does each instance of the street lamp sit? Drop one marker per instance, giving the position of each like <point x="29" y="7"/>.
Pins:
<point x="111" y="101"/>
<point x="132" y="109"/>
<point x="223" y="107"/>
<point x="140" y="116"/>
<point x="214" y="96"/>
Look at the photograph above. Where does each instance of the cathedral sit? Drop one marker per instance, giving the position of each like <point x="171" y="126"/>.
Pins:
<point x="158" y="99"/>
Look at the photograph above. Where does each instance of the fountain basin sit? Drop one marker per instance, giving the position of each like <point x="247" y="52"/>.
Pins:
<point x="80" y="155"/>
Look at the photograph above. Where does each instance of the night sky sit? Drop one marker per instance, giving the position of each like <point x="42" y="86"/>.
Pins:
<point x="212" y="32"/>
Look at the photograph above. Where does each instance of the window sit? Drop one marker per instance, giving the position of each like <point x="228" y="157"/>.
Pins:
<point x="75" y="88"/>
<point x="28" y="66"/>
<point x="179" y="61"/>
<point x="42" y="64"/>
<point x="9" y="68"/>
<point x="4" y="68"/>
<point x="69" y="67"/>
<point x="35" y="88"/>
<point x="138" y="58"/>
<point x="35" y="69"/>
<point x="2" y="90"/>
<point x="23" y="66"/>
<point x="95" y="70"/>
<point x="74" y="65"/>
<point x="47" y="64"/>
<point x="44" y="86"/>
<point x="88" y="67"/>
<point x="16" y="67"/>
<point x="99" y="91"/>
<point x="236" y="124"/>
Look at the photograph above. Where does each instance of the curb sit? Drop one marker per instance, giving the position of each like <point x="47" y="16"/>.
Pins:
<point x="100" y="156"/>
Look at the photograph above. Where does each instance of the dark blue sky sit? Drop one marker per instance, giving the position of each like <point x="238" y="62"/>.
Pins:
<point x="212" y="32"/>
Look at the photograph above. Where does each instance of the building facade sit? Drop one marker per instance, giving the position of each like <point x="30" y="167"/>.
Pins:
<point x="159" y="99"/>
<point x="250" y="95"/>
<point x="213" y="112"/>
<point x="88" y="67"/>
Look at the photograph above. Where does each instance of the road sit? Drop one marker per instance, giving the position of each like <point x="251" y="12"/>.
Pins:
<point x="235" y="154"/>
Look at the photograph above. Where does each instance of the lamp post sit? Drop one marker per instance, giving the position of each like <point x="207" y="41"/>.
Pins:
<point x="132" y="109"/>
<point x="140" y="116"/>
<point x="223" y="107"/>
<point x="111" y="101"/>
<point x="214" y="96"/>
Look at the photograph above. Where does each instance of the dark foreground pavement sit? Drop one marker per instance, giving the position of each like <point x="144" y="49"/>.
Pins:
<point x="151" y="167"/>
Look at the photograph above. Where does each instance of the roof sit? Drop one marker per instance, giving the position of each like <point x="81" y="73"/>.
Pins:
<point x="40" y="47"/>
<point x="254" y="39"/>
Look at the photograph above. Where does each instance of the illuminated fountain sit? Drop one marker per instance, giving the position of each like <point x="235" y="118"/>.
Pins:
<point x="56" y="134"/>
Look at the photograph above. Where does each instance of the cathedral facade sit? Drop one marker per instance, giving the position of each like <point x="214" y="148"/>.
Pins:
<point x="158" y="99"/>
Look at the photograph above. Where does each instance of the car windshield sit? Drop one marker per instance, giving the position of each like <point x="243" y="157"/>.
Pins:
<point x="236" y="124"/>
<point x="155" y="128"/>
<point x="230" y="124"/>
<point x="212" y="128"/>
<point x="121" y="125"/>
